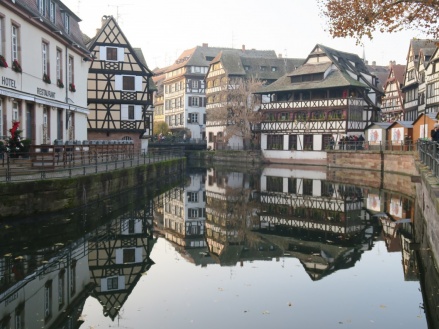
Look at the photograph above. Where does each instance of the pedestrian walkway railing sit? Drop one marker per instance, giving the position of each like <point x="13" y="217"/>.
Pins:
<point x="373" y="146"/>
<point x="54" y="162"/>
<point x="429" y="155"/>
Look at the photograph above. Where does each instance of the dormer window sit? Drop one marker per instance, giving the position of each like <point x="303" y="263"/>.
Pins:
<point x="247" y="68"/>
<point x="273" y="69"/>
<point x="263" y="68"/>
<point x="42" y="7"/>
<point x="52" y="11"/>
<point x="67" y="23"/>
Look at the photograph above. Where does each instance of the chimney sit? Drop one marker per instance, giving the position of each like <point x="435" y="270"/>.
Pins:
<point x="205" y="45"/>
<point x="374" y="63"/>
<point x="280" y="55"/>
<point x="243" y="47"/>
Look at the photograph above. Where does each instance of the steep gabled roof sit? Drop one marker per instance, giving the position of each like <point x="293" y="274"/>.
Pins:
<point x="108" y="31"/>
<point x="336" y="77"/>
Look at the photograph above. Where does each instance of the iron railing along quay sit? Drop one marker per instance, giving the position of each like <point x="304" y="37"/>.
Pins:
<point x="429" y="155"/>
<point x="66" y="164"/>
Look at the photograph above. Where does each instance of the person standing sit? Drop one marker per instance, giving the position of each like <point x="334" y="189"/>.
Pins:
<point x="435" y="133"/>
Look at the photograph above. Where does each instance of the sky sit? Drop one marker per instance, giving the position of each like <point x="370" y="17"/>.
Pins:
<point x="164" y="29"/>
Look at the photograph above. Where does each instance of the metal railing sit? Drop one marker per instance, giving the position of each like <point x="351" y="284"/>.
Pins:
<point x="401" y="146"/>
<point x="429" y="155"/>
<point x="67" y="162"/>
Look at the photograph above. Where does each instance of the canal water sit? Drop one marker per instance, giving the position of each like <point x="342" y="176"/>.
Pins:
<point x="277" y="248"/>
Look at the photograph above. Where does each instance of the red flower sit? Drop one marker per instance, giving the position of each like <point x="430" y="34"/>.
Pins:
<point x="3" y="61"/>
<point x="14" y="129"/>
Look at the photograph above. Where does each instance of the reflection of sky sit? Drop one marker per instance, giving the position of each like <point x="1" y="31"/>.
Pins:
<point x="267" y="294"/>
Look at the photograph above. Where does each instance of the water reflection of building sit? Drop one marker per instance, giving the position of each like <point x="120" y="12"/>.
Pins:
<point x="118" y="256"/>
<point x="184" y="217"/>
<point x="323" y="224"/>
<point x="48" y="284"/>
<point x="231" y="215"/>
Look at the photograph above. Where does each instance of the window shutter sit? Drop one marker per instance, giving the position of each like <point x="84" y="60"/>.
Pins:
<point x="124" y="112"/>
<point x="138" y="112"/>
<point x="120" y="54"/>
<point x="190" y="101"/>
<point x="138" y="83"/>
<point x="118" y="82"/>
<point x="103" y="53"/>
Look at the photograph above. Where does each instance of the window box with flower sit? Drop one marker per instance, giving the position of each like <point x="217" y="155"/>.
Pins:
<point x="59" y="83"/>
<point x="3" y="62"/>
<point x="46" y="78"/>
<point x="72" y="87"/>
<point x="16" y="66"/>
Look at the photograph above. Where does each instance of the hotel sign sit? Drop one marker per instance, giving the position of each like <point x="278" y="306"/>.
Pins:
<point x="7" y="82"/>
<point x="46" y="93"/>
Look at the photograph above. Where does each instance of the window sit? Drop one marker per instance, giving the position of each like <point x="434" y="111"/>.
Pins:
<point x="128" y="82"/>
<point x="66" y="23"/>
<point x="195" y="84"/>
<point x="194" y="101"/>
<point x="130" y="112"/>
<point x="129" y="255"/>
<point x="42" y="7"/>
<point x="307" y="186"/>
<point x="61" y="285"/>
<point x="71" y="71"/>
<point x="292" y="142"/>
<point x="275" y="142"/>
<point x="14" y="43"/>
<point x="45" y="57"/>
<point x="193" y="212"/>
<point x="48" y="300"/>
<point x="111" y="54"/>
<point x="2" y="41"/>
<point x="193" y="117"/>
<point x="292" y="185"/>
<point x="73" y="278"/>
<point x="19" y="317"/>
<point x="273" y="69"/>
<point x="192" y="196"/>
<point x="263" y="68"/>
<point x="15" y="116"/>
<point x="112" y="283"/>
<point x="274" y="184"/>
<point x="308" y="142"/>
<point x="59" y="65"/>
<point x="52" y="12"/>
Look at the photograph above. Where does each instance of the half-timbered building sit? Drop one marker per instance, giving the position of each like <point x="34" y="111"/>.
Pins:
<point x="392" y="103"/>
<point x="42" y="56"/>
<point x="228" y="74"/>
<point x="331" y="95"/>
<point x="119" y="88"/>
<point x="118" y="259"/>
<point x="432" y="83"/>
<point x="412" y="77"/>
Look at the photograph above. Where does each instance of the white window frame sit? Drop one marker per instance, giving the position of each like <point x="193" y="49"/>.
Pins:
<point x="59" y="64"/>
<point x="194" y="84"/>
<point x="193" y="213"/>
<point x="45" y="57"/>
<point x="42" y="7"/>
<point x="2" y="39"/>
<point x="47" y="300"/>
<point x="124" y="108"/>
<point x="118" y="82"/>
<point x="15" y="111"/>
<point x="103" y="54"/>
<point x="192" y="196"/>
<point x="193" y="117"/>
<point x="66" y="23"/>
<point x="71" y="70"/>
<point x="52" y="11"/>
<point x="14" y="42"/>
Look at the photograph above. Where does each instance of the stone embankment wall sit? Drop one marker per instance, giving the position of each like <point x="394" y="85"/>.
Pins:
<point x="44" y="196"/>
<point x="397" y="162"/>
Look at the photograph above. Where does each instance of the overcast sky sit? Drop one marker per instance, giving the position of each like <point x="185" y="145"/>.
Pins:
<point x="163" y="29"/>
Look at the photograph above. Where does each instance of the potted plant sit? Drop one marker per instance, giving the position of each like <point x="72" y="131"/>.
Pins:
<point x="3" y="62"/>
<point x="72" y="87"/>
<point x="46" y="78"/>
<point x="16" y="66"/>
<point x="59" y="83"/>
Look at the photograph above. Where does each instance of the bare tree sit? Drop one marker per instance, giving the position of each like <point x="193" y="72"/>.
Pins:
<point x="238" y="109"/>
